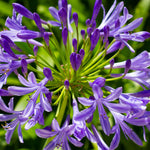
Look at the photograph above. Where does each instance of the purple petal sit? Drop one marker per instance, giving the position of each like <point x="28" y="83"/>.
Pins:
<point x="12" y="25"/>
<point x="20" y="134"/>
<point x="117" y="107"/>
<point x="78" y="61"/>
<point x="96" y="10"/>
<point x="32" y="78"/>
<point x="138" y="122"/>
<point x="45" y="103"/>
<point x="74" y="43"/>
<point x="8" y="135"/>
<point x="75" y="18"/>
<point x="24" y="81"/>
<point x="104" y="120"/>
<point x="54" y="13"/>
<point x="22" y="10"/>
<point x="89" y="135"/>
<point x="65" y="35"/>
<point x="48" y="73"/>
<point x="85" y="114"/>
<point x="43" y="133"/>
<point x="54" y="23"/>
<point x="63" y="16"/>
<point x="85" y="101"/>
<point x="99" y="140"/>
<point x="7" y="117"/>
<point x="15" y="90"/>
<point x="55" y="125"/>
<point x="145" y="93"/>
<point x="94" y="38"/>
<point x="114" y="95"/>
<point x="37" y="20"/>
<point x="4" y="108"/>
<point x="66" y="83"/>
<point x="68" y="19"/>
<point x="24" y="67"/>
<point x="64" y="4"/>
<point x="4" y="93"/>
<point x="130" y="27"/>
<point x="100" y="81"/>
<point x="28" y="111"/>
<point x="116" y="139"/>
<point x="28" y="34"/>
<point x="8" y="49"/>
<point x="75" y="142"/>
<point x="98" y="93"/>
<point x="131" y="134"/>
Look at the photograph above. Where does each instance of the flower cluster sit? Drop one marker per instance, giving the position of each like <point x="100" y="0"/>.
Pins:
<point x="74" y="82"/>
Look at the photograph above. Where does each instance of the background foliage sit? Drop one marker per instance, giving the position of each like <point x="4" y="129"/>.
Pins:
<point x="84" y="8"/>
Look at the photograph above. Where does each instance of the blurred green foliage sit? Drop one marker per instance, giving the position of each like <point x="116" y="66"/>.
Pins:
<point x="84" y="8"/>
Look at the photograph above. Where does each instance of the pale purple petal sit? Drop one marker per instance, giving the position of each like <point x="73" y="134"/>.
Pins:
<point x="15" y="90"/>
<point x="24" y="81"/>
<point x="45" y="103"/>
<point x="22" y="10"/>
<point x="85" y="114"/>
<point x="75" y="142"/>
<point x="85" y="101"/>
<point x="131" y="26"/>
<point x="28" y="34"/>
<point x="55" y="125"/>
<point x="8" y="135"/>
<point x="114" y="95"/>
<point x="32" y="78"/>
<point x="104" y="120"/>
<point x="98" y="93"/>
<point x="54" y="23"/>
<point x="99" y="140"/>
<point x="54" y="13"/>
<point x="116" y="139"/>
<point x="20" y="133"/>
<point x="43" y="133"/>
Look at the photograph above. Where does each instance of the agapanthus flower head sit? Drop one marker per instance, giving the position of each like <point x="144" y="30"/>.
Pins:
<point x="75" y="76"/>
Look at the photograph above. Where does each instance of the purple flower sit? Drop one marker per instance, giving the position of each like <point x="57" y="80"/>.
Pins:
<point x="94" y="38"/>
<point x="61" y="135"/>
<point x="75" y="60"/>
<point x="81" y="130"/>
<point x="141" y="62"/>
<point x="116" y="23"/>
<point x="96" y="10"/>
<point x="99" y="101"/>
<point x="61" y="17"/>
<point x="32" y="86"/>
<point x="19" y="118"/>
<point x="9" y="64"/>
<point x="15" y="26"/>
<point x="119" y="119"/>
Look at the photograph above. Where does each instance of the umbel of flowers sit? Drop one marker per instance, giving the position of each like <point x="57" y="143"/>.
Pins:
<point x="74" y="83"/>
